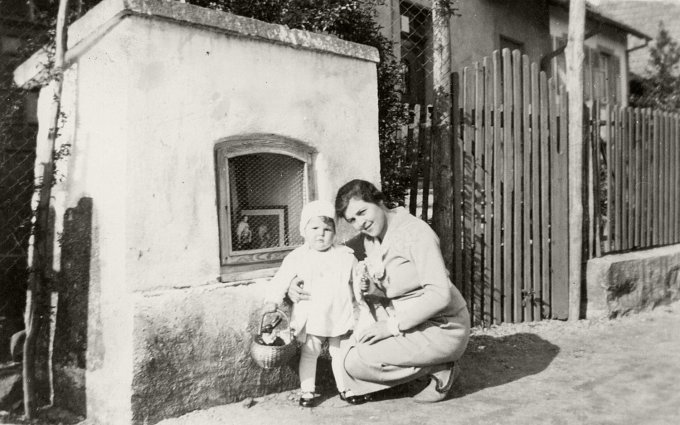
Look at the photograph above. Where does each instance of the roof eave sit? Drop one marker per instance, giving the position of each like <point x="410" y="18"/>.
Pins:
<point x="598" y="17"/>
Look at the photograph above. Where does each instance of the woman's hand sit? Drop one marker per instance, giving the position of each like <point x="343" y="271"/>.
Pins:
<point x="295" y="291"/>
<point x="376" y="332"/>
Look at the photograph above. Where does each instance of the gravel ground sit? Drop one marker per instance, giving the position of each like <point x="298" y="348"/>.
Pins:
<point x="622" y="371"/>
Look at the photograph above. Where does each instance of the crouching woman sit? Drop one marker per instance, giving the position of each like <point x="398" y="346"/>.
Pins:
<point x="427" y="325"/>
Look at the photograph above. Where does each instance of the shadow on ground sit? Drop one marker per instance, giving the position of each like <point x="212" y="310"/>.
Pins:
<point x="492" y="361"/>
<point x="489" y="361"/>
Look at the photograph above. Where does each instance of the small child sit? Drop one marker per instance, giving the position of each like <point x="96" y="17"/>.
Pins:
<point x="326" y="271"/>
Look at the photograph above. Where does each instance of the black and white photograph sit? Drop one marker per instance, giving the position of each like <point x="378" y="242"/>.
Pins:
<point x="339" y="212"/>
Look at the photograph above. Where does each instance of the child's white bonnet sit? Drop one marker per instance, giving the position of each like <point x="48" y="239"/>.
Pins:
<point x="315" y="209"/>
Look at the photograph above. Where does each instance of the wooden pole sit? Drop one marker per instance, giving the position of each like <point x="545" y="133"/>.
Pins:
<point x="442" y="216"/>
<point x="574" y="57"/>
<point x="39" y="246"/>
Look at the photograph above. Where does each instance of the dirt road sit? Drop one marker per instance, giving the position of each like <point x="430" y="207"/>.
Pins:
<point x="623" y="371"/>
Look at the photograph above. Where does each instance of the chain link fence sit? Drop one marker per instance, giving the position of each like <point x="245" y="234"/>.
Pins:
<point x="266" y="195"/>
<point x="415" y="48"/>
<point x="19" y="33"/>
<point x="422" y="69"/>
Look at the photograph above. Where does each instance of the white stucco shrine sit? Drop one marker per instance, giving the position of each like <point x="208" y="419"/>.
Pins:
<point x="180" y="121"/>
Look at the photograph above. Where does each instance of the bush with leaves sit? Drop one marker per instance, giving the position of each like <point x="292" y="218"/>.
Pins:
<point x="661" y="87"/>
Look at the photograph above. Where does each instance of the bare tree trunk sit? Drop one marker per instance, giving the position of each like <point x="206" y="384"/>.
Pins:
<point x="442" y="215"/>
<point x="575" y="55"/>
<point x="38" y="260"/>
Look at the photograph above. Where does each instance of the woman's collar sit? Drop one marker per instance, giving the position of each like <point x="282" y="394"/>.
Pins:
<point x="394" y="217"/>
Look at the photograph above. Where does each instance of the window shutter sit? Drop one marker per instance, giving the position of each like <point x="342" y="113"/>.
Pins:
<point x="588" y="73"/>
<point x="615" y="80"/>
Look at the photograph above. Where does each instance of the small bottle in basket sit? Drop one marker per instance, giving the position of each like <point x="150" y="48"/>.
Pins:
<point x="269" y="349"/>
<point x="272" y="338"/>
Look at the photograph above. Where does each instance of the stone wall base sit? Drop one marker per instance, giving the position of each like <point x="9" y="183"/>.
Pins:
<point x="191" y="351"/>
<point x="620" y="284"/>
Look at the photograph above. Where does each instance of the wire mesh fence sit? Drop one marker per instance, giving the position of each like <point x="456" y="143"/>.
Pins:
<point x="266" y="196"/>
<point x="415" y="54"/>
<point x="415" y="49"/>
<point x="25" y="27"/>
<point x="19" y="32"/>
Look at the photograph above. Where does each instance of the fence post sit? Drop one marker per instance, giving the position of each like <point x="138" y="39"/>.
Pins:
<point x="577" y="14"/>
<point x="39" y="267"/>
<point x="442" y="217"/>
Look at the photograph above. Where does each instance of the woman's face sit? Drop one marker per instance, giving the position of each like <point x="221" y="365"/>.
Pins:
<point x="366" y="217"/>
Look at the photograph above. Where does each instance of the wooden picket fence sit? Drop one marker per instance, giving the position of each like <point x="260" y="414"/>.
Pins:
<point x="510" y="194"/>
<point x="419" y="139"/>
<point x="511" y="185"/>
<point x="633" y="179"/>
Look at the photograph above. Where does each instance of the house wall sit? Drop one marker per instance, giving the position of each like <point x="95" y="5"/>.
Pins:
<point x="606" y="39"/>
<point x="644" y="16"/>
<point x="479" y="24"/>
<point x="152" y="86"/>
<point x="477" y="32"/>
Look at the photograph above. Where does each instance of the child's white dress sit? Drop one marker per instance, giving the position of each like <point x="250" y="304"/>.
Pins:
<point x="327" y="278"/>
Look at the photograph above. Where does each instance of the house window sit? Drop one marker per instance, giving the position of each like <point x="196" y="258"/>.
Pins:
<point x="603" y="76"/>
<point x="611" y="70"/>
<point x="263" y="182"/>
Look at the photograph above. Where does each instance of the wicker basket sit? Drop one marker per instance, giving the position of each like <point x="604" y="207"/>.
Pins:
<point x="270" y="356"/>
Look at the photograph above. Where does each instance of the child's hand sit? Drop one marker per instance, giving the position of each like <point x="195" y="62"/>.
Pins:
<point x="362" y="276"/>
<point x="269" y="307"/>
<point x="364" y="284"/>
<point x="296" y="293"/>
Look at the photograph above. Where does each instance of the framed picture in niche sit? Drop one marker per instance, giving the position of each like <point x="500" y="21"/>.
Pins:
<point x="260" y="229"/>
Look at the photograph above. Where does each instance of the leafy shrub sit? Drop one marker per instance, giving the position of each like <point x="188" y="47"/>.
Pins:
<point x="660" y="88"/>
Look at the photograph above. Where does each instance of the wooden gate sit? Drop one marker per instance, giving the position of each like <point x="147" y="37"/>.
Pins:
<point x="510" y="194"/>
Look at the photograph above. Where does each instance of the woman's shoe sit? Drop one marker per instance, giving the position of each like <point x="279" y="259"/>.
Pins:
<point x="354" y="399"/>
<point x="307" y="400"/>
<point x="440" y="384"/>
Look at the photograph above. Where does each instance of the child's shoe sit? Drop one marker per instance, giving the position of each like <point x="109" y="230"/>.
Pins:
<point x="307" y="399"/>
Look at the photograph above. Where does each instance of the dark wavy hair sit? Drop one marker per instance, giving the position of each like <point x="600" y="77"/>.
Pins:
<point x="359" y="189"/>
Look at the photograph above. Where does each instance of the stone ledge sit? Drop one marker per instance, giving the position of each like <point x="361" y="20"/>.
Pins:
<point x="620" y="284"/>
<point x="101" y="18"/>
<point x="191" y="351"/>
